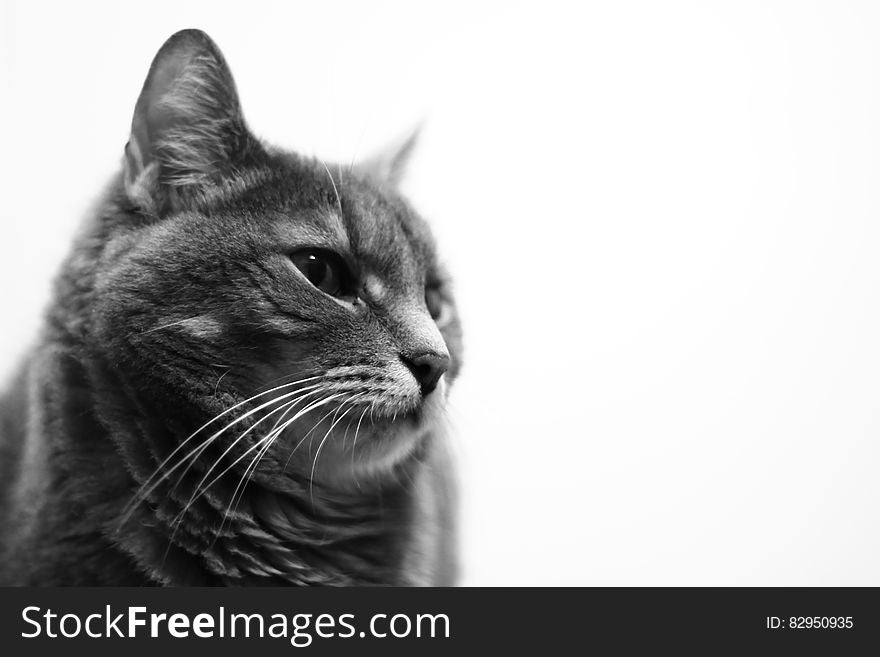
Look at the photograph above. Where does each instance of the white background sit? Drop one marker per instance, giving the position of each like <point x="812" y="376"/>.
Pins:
<point x="662" y="218"/>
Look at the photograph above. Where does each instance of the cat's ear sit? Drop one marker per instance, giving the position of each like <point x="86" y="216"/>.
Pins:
<point x="389" y="166"/>
<point x="188" y="128"/>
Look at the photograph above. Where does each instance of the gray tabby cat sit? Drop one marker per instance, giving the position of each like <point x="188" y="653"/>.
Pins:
<point x="243" y="372"/>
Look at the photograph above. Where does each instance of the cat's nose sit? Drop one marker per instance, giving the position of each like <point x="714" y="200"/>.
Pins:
<point x="427" y="367"/>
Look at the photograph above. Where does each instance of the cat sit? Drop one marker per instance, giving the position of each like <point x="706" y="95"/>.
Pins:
<point x="243" y="374"/>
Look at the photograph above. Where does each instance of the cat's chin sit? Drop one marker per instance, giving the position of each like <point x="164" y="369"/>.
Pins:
<point x="389" y="441"/>
<point x="350" y="455"/>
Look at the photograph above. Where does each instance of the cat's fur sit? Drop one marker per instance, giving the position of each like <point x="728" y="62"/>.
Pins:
<point x="178" y="302"/>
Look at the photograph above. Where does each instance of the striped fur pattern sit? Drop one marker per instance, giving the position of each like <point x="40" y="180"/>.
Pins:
<point x="196" y="411"/>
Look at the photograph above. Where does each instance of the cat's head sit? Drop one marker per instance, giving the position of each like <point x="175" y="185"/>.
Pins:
<point x="242" y="273"/>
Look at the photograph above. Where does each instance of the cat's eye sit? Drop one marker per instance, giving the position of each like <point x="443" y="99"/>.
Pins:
<point x="437" y="305"/>
<point x="323" y="269"/>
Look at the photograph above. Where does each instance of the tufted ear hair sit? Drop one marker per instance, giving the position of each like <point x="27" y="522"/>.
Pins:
<point x="188" y="129"/>
<point x="389" y="166"/>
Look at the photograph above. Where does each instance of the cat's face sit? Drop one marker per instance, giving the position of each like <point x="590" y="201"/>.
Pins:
<point x="312" y="292"/>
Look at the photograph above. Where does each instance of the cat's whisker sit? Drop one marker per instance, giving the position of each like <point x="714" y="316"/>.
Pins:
<point x="281" y="430"/>
<point x="316" y="425"/>
<point x="287" y="406"/>
<point x="147" y="488"/>
<point x="270" y="439"/>
<point x="335" y="191"/>
<point x="249" y="472"/>
<point x="320" y="373"/>
<point x="140" y="494"/>
<point x="266" y="443"/>
<point x="198" y="488"/>
<point x="168" y="325"/>
<point x="350" y="400"/>
<point x="318" y="453"/>
<point x="283" y="415"/>
<point x="309" y="391"/>
<point x="201" y="489"/>
<point x="217" y="385"/>
<point x="348" y="424"/>
<point x="353" y="401"/>
<point x="303" y="439"/>
<point x="246" y="401"/>
<point x="356" y="432"/>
